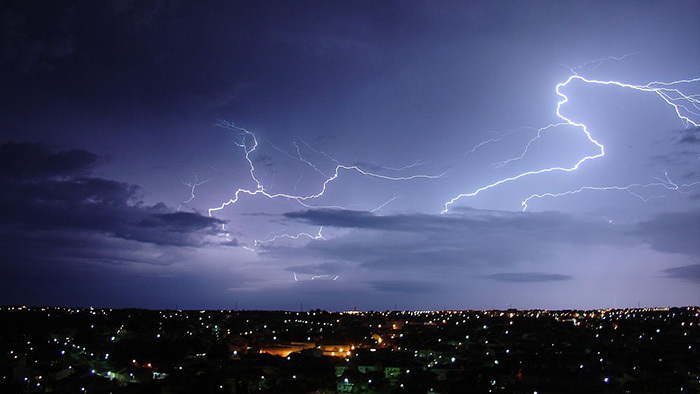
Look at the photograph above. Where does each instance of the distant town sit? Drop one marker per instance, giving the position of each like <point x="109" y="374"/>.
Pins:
<point x="87" y="350"/>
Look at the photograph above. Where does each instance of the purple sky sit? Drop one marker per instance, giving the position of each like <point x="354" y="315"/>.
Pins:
<point x="125" y="126"/>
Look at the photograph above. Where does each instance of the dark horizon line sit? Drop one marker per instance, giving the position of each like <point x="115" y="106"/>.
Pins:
<point x="640" y="308"/>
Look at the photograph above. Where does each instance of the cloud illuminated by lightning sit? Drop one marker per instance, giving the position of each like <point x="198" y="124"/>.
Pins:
<point x="668" y="91"/>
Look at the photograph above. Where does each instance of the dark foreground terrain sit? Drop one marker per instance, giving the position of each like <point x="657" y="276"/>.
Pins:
<point x="69" y="350"/>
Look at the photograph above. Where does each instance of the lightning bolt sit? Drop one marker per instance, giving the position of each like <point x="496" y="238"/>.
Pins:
<point x="247" y="141"/>
<point x="492" y="140"/>
<point x="296" y="184"/>
<point x="192" y="186"/>
<point x="501" y="164"/>
<point x="320" y="152"/>
<point x="385" y="204"/>
<point x="417" y="163"/>
<point x="666" y="184"/>
<point x="314" y="277"/>
<point x="260" y="189"/>
<point x="595" y="63"/>
<point x="318" y="236"/>
<point x="667" y="91"/>
<point x="299" y="157"/>
<point x="310" y="164"/>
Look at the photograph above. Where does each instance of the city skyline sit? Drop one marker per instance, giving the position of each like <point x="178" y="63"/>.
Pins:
<point x="403" y="154"/>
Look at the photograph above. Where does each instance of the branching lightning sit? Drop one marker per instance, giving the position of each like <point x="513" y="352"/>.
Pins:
<point x="320" y="152"/>
<point x="260" y="189"/>
<point x="314" y="277"/>
<point x="192" y="186"/>
<point x="310" y="164"/>
<point x="298" y="157"/>
<point x="595" y="63"/>
<point x="489" y="141"/>
<point x="248" y="142"/>
<point x="663" y="183"/>
<point x="318" y="236"/>
<point x="324" y="277"/>
<point x="683" y="105"/>
<point x="503" y="163"/>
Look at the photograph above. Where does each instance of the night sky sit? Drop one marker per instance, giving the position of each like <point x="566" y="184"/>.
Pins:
<point x="347" y="128"/>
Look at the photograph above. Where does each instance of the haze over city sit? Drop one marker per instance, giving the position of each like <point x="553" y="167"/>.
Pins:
<point x="370" y="155"/>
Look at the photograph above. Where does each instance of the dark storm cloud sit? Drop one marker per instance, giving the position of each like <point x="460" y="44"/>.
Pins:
<point x="35" y="161"/>
<point x="367" y="220"/>
<point x="179" y="221"/>
<point x="690" y="136"/>
<point x="50" y="202"/>
<point x="548" y="226"/>
<point x="687" y="272"/>
<point x="676" y="232"/>
<point x="472" y="239"/>
<point x="343" y="218"/>
<point x="465" y="240"/>
<point x="527" y="277"/>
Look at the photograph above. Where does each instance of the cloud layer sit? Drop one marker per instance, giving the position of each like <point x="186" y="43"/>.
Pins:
<point x="51" y="201"/>
<point x="469" y="238"/>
